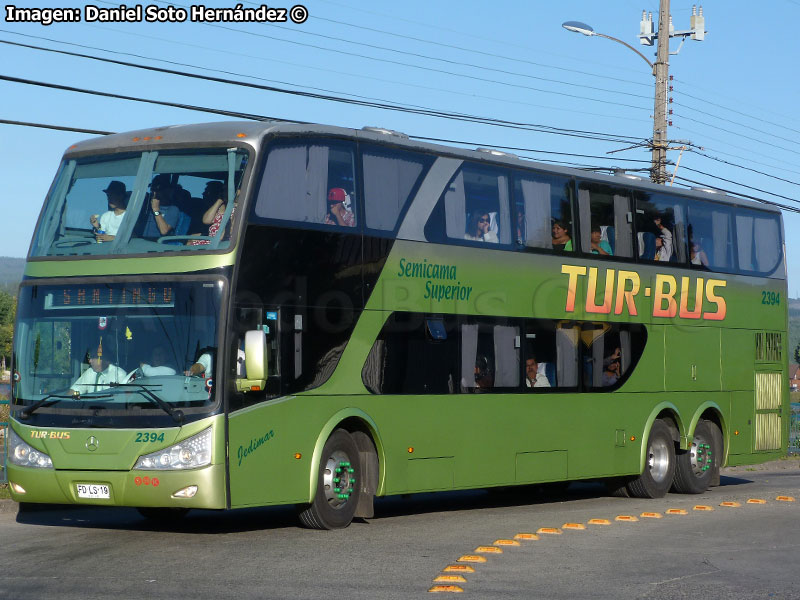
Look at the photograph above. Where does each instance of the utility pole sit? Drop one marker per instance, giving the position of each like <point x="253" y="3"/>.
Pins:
<point x="658" y="171"/>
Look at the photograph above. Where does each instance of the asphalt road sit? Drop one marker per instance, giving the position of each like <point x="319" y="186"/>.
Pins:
<point x="749" y="551"/>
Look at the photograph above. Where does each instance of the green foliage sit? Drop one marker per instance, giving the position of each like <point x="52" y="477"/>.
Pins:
<point x="8" y="310"/>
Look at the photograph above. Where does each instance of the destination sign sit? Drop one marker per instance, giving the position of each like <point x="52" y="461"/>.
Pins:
<point x="111" y="296"/>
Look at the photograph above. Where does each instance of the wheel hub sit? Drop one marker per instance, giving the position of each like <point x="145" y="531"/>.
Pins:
<point x="338" y="479"/>
<point x="658" y="460"/>
<point x="701" y="456"/>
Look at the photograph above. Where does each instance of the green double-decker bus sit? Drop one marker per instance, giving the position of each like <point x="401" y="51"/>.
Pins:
<point x="239" y="314"/>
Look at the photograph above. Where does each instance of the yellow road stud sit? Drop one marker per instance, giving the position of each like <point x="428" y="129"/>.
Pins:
<point x="446" y="588"/>
<point x="785" y="499"/>
<point x="488" y="550"/>
<point x="731" y="504"/>
<point x="449" y="579"/>
<point x="651" y="515"/>
<point x="549" y="530"/>
<point x="458" y="569"/>
<point x="506" y="543"/>
<point x="703" y="507"/>
<point x="526" y="536"/>
<point x="471" y="558"/>
<point x="756" y="501"/>
<point x="599" y="522"/>
<point x="576" y="526"/>
<point x="630" y="518"/>
<point x="677" y="511"/>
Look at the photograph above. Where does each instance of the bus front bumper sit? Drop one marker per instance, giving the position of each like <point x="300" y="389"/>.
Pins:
<point x="123" y="488"/>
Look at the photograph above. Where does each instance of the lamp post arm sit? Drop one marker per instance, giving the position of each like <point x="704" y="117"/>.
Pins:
<point x="608" y="37"/>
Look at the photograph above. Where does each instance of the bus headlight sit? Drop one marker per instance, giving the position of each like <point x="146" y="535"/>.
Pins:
<point x="190" y="453"/>
<point x="24" y="455"/>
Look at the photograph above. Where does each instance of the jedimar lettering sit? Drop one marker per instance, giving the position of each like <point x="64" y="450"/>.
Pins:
<point x="616" y="292"/>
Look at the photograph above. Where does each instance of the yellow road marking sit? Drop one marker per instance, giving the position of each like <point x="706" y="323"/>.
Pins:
<point x="756" y="501"/>
<point x="651" y="515"/>
<point x="703" y="507"/>
<point x="576" y="526"/>
<point x="599" y="522"/>
<point x="526" y="536"/>
<point x="549" y="530"/>
<point x="731" y="504"/>
<point x="677" y="511"/>
<point x="626" y="518"/>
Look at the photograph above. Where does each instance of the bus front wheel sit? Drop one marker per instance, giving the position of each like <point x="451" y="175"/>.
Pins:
<point x="695" y="468"/>
<point x="659" y="468"/>
<point x="338" y="485"/>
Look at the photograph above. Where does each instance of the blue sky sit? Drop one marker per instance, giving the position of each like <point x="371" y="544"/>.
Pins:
<point x="734" y="93"/>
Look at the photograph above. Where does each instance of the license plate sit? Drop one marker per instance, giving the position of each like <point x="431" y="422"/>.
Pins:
<point x="93" y="490"/>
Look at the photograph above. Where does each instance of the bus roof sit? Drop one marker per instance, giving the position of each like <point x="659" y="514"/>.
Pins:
<point x="256" y="134"/>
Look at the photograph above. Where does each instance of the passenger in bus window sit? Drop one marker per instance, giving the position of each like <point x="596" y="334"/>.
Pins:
<point x="107" y="224"/>
<point x="697" y="255"/>
<point x="561" y="236"/>
<point x="663" y="241"/>
<point x="340" y="209"/>
<point x="480" y="228"/>
<point x="158" y="364"/>
<point x="599" y="245"/>
<point x="533" y="378"/>
<point x="101" y="372"/>
<point x="203" y="367"/>
<point x="484" y="380"/>
<point x="611" y="369"/>
<point x="163" y="214"/>
<point x="214" y="193"/>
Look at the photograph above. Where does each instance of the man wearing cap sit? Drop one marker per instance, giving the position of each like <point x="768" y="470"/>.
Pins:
<point x="340" y="210"/>
<point x="100" y="374"/>
<point x="107" y="225"/>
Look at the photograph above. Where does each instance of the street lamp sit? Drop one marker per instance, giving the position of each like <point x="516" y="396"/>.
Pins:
<point x="658" y="170"/>
<point x="578" y="27"/>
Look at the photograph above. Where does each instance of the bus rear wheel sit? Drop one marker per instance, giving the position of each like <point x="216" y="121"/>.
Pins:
<point x="695" y="467"/>
<point x="659" y="468"/>
<point x="338" y="492"/>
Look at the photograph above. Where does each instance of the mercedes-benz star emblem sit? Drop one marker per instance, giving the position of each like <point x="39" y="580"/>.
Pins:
<point x="92" y="443"/>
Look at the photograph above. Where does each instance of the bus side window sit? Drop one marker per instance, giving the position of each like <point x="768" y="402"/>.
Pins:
<point x="477" y="206"/>
<point x="607" y="208"/>
<point x="758" y="241"/>
<point x="490" y="356"/>
<point x="660" y="227"/>
<point x="391" y="177"/>
<point x="541" y="201"/>
<point x="710" y="236"/>
<point x="311" y="182"/>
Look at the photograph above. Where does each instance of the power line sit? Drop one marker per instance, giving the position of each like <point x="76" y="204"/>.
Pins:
<point x="380" y="105"/>
<point x="750" y="187"/>
<point x="747" y="137"/>
<point x="56" y="127"/>
<point x="328" y="70"/>
<point x="741" y="195"/>
<point x="727" y="162"/>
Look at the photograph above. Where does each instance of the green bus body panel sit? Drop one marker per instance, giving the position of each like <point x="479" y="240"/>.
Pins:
<point x="112" y="463"/>
<point x="122" y="266"/>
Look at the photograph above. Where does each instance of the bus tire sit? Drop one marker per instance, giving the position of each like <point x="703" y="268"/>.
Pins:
<point x="694" y="470"/>
<point x="659" y="468"/>
<point x="338" y="485"/>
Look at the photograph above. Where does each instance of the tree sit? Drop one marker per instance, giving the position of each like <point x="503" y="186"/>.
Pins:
<point x="8" y="310"/>
<point x="797" y="354"/>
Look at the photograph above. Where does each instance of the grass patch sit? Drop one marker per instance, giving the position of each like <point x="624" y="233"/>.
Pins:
<point x="4" y="491"/>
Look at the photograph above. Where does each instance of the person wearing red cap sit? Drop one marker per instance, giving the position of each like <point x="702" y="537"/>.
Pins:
<point x="340" y="211"/>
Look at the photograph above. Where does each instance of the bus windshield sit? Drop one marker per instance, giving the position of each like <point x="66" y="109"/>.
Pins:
<point x="133" y="203"/>
<point x="143" y="348"/>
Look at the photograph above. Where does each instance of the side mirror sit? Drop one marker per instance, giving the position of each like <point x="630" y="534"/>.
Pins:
<point x="255" y="362"/>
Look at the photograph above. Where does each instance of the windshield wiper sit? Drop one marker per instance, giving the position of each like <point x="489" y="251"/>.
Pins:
<point x="176" y="414"/>
<point x="51" y="399"/>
